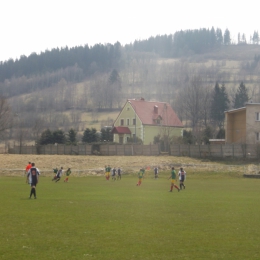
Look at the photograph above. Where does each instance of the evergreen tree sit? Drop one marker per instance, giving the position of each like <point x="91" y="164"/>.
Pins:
<point x="207" y="134"/>
<point x="59" y="137"/>
<point x="227" y="39"/>
<point x="241" y="96"/>
<point x="72" y="134"/>
<point x="219" y="105"/>
<point x="46" y="137"/>
<point x="89" y="135"/>
<point x="106" y="135"/>
<point x="255" y="38"/>
<point x="219" y="36"/>
<point x="221" y="134"/>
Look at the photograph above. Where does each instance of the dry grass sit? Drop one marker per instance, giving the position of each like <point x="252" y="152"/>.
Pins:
<point x="94" y="165"/>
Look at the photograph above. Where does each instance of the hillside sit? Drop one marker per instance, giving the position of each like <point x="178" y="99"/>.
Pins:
<point x="72" y="97"/>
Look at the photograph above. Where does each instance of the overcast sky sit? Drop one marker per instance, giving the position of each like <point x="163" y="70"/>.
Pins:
<point x="34" y="25"/>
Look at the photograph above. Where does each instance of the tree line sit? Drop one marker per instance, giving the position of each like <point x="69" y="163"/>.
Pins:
<point x="98" y="58"/>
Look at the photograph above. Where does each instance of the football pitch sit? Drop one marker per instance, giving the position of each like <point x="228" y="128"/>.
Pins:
<point x="215" y="217"/>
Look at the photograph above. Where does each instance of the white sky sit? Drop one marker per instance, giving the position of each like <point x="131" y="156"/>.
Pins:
<point x="35" y="25"/>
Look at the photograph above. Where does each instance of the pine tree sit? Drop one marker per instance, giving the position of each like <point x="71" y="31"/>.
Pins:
<point x="241" y="96"/>
<point x="46" y="137"/>
<point x="220" y="104"/>
<point x="72" y="134"/>
<point x="89" y="135"/>
<point x="59" y="137"/>
<point x="227" y="39"/>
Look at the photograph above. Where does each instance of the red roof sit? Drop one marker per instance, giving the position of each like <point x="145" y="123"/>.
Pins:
<point x="120" y="130"/>
<point x="148" y="111"/>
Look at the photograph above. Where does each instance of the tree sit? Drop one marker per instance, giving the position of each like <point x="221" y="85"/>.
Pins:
<point x="113" y="88"/>
<point x="255" y="38"/>
<point x="6" y="117"/>
<point x="241" y="96"/>
<point x="207" y="134"/>
<point x="219" y="36"/>
<point x="227" y="39"/>
<point x="89" y="135"/>
<point x="106" y="134"/>
<point x="219" y="104"/>
<point x="59" y="137"/>
<point x="46" y="137"/>
<point x="72" y="134"/>
<point x="190" y="98"/>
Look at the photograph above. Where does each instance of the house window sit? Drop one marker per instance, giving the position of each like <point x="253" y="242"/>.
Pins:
<point x="128" y="121"/>
<point x="134" y="121"/>
<point x="257" y="136"/>
<point x="127" y="108"/>
<point x="122" y="122"/>
<point x="257" y="116"/>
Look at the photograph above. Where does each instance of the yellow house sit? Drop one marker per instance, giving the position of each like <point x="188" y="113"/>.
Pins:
<point x="242" y="125"/>
<point x="145" y="120"/>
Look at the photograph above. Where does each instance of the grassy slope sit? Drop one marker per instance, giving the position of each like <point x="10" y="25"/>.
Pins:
<point x="215" y="217"/>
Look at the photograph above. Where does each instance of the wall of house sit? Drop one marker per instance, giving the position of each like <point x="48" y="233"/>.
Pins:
<point x="235" y="126"/>
<point x="150" y="131"/>
<point x="128" y="113"/>
<point x="252" y="124"/>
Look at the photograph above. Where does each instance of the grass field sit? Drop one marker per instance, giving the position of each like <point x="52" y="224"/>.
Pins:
<point x="215" y="217"/>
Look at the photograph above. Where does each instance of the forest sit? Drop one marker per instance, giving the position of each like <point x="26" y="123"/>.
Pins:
<point x="201" y="73"/>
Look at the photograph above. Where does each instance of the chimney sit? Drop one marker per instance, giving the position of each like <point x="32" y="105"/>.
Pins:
<point x="155" y="109"/>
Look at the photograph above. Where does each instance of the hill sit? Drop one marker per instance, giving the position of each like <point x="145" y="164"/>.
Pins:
<point x="74" y="88"/>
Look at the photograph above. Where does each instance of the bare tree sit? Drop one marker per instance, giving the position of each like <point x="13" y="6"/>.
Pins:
<point x="6" y="116"/>
<point x="191" y="99"/>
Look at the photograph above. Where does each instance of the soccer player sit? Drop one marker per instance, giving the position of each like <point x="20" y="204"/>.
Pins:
<point x="28" y="167"/>
<point x="156" y="171"/>
<point x="59" y="173"/>
<point x="140" y="176"/>
<point x="55" y="170"/>
<point x="108" y="172"/>
<point x="119" y="173"/>
<point x="182" y="177"/>
<point x="114" y="173"/>
<point x="68" y="172"/>
<point x="33" y="179"/>
<point x="173" y="177"/>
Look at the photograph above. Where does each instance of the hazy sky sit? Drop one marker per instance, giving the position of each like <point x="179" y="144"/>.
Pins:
<point x="34" y="25"/>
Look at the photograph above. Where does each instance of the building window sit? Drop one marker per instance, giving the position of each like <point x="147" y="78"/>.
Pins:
<point x="127" y="108"/>
<point x="134" y="121"/>
<point x="257" y="116"/>
<point x="128" y="121"/>
<point x="122" y="122"/>
<point x="257" y="136"/>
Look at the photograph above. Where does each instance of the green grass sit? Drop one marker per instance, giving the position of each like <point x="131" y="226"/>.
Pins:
<point x="215" y="217"/>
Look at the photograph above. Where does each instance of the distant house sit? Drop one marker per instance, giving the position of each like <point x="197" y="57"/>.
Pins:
<point x="242" y="125"/>
<point x="145" y="120"/>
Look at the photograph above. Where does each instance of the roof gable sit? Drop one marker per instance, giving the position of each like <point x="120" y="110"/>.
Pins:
<point x="150" y="111"/>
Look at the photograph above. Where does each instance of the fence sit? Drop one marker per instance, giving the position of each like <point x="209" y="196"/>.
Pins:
<point x="249" y="151"/>
<point x="107" y="149"/>
<point x="196" y="151"/>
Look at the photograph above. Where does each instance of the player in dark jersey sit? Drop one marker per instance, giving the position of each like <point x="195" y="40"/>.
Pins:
<point x="182" y="177"/>
<point x="59" y="173"/>
<point x="119" y="173"/>
<point x="114" y="174"/>
<point x="33" y="179"/>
